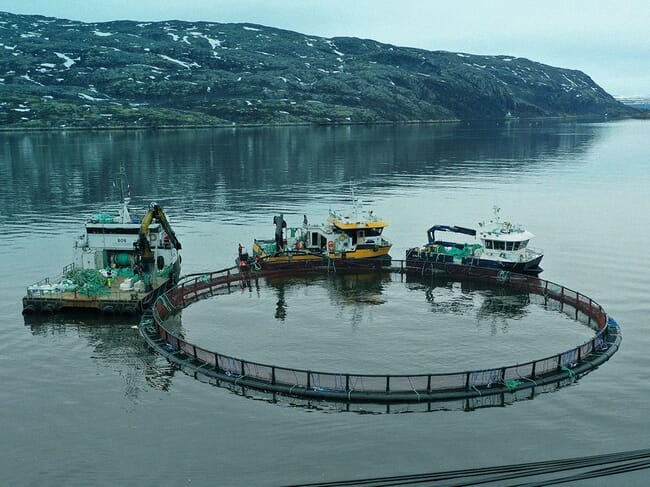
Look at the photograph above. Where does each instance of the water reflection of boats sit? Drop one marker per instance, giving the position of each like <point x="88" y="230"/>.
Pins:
<point x="115" y="342"/>
<point x="504" y="306"/>
<point x="504" y="246"/>
<point x="344" y="289"/>
<point x="462" y="297"/>
<point x="121" y="263"/>
<point x="350" y="239"/>
<point x="360" y="289"/>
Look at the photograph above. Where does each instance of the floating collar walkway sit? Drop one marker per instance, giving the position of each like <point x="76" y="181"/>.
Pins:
<point x="367" y="388"/>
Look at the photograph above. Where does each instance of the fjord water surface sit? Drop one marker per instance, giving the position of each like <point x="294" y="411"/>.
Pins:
<point x="84" y="402"/>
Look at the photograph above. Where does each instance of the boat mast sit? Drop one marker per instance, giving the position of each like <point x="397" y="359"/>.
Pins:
<point x="496" y="214"/>
<point x="355" y="204"/>
<point x="125" y="196"/>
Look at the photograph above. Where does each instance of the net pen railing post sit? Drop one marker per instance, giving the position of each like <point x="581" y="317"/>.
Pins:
<point x="533" y="372"/>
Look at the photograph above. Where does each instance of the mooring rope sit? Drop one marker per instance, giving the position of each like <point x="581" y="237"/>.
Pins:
<point x="528" y="379"/>
<point x="414" y="389"/>
<point x="571" y="373"/>
<point x="605" y="465"/>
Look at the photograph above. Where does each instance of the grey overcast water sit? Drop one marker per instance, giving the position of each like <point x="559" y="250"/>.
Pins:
<point x="84" y="402"/>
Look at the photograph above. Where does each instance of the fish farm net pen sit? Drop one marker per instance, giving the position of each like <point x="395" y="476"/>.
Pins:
<point x="385" y="388"/>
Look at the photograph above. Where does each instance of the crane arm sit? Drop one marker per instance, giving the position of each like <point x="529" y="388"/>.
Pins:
<point x="143" y="249"/>
<point x="158" y="214"/>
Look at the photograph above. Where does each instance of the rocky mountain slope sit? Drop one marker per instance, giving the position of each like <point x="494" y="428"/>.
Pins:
<point x="62" y="73"/>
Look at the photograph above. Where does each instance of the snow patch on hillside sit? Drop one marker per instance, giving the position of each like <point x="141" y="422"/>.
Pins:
<point x="67" y="61"/>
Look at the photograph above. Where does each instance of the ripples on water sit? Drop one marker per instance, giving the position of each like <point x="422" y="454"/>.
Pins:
<point x="268" y="166"/>
<point x="91" y="390"/>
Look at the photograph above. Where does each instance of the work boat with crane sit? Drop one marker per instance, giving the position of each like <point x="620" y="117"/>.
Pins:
<point x="503" y="246"/>
<point x="121" y="263"/>
<point x="348" y="239"/>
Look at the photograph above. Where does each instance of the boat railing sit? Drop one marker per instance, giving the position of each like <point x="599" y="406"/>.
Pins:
<point x="346" y="386"/>
<point x="534" y="251"/>
<point x="39" y="288"/>
<point x="377" y="240"/>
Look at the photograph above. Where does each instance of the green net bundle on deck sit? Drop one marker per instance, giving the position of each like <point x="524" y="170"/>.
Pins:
<point x="90" y="282"/>
<point x="103" y="218"/>
<point x="165" y="272"/>
<point x="467" y="250"/>
<point x="124" y="272"/>
<point x="269" y="248"/>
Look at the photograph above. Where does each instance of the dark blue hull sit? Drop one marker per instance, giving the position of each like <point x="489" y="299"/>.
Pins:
<point x="416" y="258"/>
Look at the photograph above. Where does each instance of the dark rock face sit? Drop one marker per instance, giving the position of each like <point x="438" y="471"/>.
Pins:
<point x="56" y="72"/>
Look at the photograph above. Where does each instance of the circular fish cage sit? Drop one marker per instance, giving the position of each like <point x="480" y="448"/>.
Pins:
<point x="478" y="387"/>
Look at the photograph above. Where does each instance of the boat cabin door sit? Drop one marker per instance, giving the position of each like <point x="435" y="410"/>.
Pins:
<point x="316" y="240"/>
<point x="358" y="236"/>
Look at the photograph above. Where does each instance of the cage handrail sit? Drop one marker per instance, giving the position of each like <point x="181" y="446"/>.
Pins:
<point x="192" y="287"/>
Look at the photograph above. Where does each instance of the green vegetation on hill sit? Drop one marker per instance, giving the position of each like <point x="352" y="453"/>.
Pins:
<point x="62" y="73"/>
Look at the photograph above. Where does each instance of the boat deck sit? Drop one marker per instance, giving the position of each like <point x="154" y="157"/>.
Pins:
<point x="111" y="300"/>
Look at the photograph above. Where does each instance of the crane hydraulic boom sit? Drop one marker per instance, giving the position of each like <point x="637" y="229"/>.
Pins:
<point x="144" y="249"/>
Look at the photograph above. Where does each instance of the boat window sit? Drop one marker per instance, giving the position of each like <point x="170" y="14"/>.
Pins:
<point x="373" y="232"/>
<point x="498" y="245"/>
<point x="509" y="245"/>
<point x="523" y="244"/>
<point x="488" y="244"/>
<point x="314" y="239"/>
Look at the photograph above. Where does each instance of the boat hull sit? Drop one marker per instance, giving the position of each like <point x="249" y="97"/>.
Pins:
<point x="415" y="258"/>
<point x="316" y="262"/>
<point x="374" y="253"/>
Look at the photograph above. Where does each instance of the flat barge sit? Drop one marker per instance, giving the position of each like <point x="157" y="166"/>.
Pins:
<point x="50" y="296"/>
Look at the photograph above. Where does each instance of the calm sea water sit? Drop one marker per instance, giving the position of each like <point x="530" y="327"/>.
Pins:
<point x="84" y="402"/>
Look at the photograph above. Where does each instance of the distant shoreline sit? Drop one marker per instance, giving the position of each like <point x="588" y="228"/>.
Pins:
<point x="642" y="115"/>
